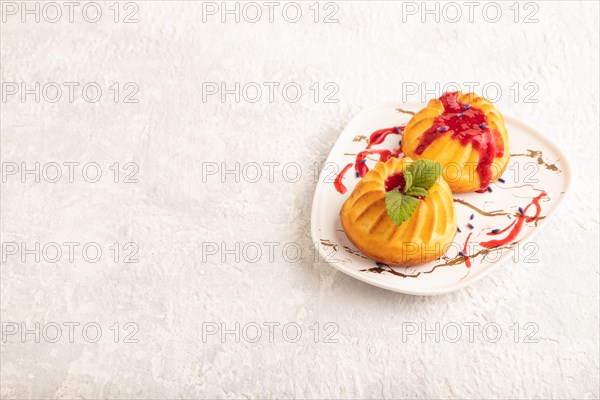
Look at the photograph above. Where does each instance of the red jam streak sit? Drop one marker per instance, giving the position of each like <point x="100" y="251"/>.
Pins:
<point x="395" y="182"/>
<point x="337" y="183"/>
<point x="468" y="125"/>
<point x="503" y="230"/>
<point x="467" y="259"/>
<point x="379" y="136"/>
<point x="516" y="225"/>
<point x="360" y="164"/>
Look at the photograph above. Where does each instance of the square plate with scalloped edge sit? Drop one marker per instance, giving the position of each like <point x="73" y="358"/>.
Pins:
<point x="536" y="165"/>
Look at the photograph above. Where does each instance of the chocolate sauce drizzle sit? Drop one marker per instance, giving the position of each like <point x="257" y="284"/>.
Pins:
<point x="360" y="138"/>
<point x="381" y="268"/>
<point x="329" y="243"/>
<point x="539" y="159"/>
<point x="403" y="111"/>
<point x="495" y="213"/>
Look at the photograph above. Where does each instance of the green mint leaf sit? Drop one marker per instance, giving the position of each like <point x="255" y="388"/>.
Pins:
<point x="400" y="207"/>
<point x="416" y="191"/>
<point x="408" y="180"/>
<point x="425" y="173"/>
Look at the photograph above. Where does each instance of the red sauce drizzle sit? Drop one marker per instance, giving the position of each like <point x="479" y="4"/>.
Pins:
<point x="503" y="230"/>
<point x="360" y="165"/>
<point x="517" y="225"/>
<point x="467" y="259"/>
<point x="468" y="125"/>
<point x="339" y="186"/>
<point x="379" y="136"/>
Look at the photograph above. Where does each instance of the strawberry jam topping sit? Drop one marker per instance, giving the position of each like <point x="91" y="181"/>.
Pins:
<point x="468" y="125"/>
<point x="395" y="182"/>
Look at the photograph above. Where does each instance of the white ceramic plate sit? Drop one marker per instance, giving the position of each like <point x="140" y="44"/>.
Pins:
<point x="536" y="165"/>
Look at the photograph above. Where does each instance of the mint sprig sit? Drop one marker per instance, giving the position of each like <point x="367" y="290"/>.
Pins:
<point x="418" y="178"/>
<point x="400" y="207"/>
<point x="408" y="179"/>
<point x="425" y="173"/>
<point x="416" y="192"/>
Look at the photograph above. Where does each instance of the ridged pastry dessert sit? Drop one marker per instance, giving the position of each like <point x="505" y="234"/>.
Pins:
<point x="379" y="220"/>
<point x="465" y="133"/>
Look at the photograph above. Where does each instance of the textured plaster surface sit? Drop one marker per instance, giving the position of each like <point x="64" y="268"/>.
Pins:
<point x="172" y="293"/>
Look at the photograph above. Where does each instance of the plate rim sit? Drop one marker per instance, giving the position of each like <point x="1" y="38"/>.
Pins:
<point x="565" y="169"/>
